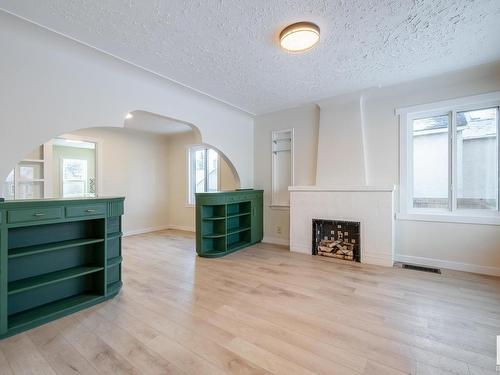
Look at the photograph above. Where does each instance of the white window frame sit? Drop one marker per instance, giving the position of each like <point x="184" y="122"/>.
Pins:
<point x="99" y="152"/>
<point x="191" y="150"/>
<point x="450" y="108"/>
<point x="83" y="180"/>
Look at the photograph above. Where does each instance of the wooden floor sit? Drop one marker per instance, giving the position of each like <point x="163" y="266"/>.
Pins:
<point x="265" y="310"/>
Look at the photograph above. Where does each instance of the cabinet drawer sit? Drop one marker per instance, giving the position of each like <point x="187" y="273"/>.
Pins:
<point x="34" y="214"/>
<point x="212" y="200"/>
<point x="86" y="210"/>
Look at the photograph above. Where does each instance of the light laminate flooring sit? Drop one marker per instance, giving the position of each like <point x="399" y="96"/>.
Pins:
<point x="265" y="310"/>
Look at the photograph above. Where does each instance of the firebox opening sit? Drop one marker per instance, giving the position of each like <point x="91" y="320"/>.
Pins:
<point x="337" y="239"/>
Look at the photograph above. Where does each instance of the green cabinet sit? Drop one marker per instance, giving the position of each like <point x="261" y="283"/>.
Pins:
<point x="228" y="221"/>
<point x="57" y="256"/>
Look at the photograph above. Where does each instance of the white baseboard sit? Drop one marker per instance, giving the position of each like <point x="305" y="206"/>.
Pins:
<point x="182" y="227"/>
<point x="457" y="266"/>
<point x="377" y="259"/>
<point x="275" y="241"/>
<point x="156" y="229"/>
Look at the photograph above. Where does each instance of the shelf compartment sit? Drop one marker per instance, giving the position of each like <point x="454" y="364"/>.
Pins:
<point x="238" y="224"/>
<point x="114" y="287"/>
<point x="213" y="212"/>
<point x="51" y="310"/>
<point x="237" y="245"/>
<point x="234" y="209"/>
<point x="114" y="235"/>
<point x="213" y="229"/>
<point x="39" y="249"/>
<point x="43" y="234"/>
<point x="114" y="247"/>
<point x="239" y="239"/>
<point x="213" y="235"/>
<point x="208" y="218"/>
<point x="213" y="254"/>
<point x="213" y="245"/>
<point x="114" y="261"/>
<point x="114" y="271"/>
<point x="238" y="215"/>
<point x="113" y="225"/>
<point x="24" y="285"/>
<point x="237" y="230"/>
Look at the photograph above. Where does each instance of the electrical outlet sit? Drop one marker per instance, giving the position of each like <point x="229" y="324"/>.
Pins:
<point x="278" y="229"/>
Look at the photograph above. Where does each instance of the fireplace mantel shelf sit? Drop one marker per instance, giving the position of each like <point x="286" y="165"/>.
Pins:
<point x="389" y="188"/>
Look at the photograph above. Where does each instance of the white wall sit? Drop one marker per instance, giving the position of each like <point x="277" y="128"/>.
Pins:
<point x="305" y="121"/>
<point x="52" y="85"/>
<point x="457" y="245"/>
<point x="135" y="165"/>
<point x="476" y="245"/>
<point x="341" y="158"/>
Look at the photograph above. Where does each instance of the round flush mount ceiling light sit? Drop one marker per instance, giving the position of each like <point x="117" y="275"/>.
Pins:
<point x="129" y="116"/>
<point x="299" y="36"/>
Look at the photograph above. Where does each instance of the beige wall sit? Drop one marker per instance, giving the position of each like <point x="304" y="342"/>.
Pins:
<point x="305" y="122"/>
<point x="135" y="165"/>
<point x="182" y="215"/>
<point x="151" y="171"/>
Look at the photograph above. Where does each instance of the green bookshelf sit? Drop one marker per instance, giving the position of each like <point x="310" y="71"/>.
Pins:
<point x="57" y="256"/>
<point x="228" y="221"/>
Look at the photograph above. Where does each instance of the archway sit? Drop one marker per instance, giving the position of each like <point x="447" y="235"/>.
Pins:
<point x="146" y="160"/>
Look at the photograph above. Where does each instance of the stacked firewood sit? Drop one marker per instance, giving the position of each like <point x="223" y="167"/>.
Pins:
<point x="336" y="249"/>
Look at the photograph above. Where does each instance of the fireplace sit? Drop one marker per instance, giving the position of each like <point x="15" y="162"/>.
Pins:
<point x="336" y="239"/>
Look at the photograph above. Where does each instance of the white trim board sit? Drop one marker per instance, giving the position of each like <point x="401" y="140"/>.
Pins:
<point x="362" y="188"/>
<point x="443" y="104"/>
<point x="157" y="229"/>
<point x="276" y="241"/>
<point x="182" y="227"/>
<point x="448" y="264"/>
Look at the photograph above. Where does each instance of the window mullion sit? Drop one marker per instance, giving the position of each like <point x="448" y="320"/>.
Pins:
<point x="206" y="170"/>
<point x="452" y="183"/>
<point x="498" y="158"/>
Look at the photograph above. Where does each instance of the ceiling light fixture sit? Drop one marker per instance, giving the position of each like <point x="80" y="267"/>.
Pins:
<point x="299" y="36"/>
<point x="129" y="116"/>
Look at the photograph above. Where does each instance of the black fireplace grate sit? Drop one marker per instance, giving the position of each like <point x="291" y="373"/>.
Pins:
<point x="338" y="239"/>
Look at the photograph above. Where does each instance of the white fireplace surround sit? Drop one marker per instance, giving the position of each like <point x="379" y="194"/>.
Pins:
<point x="372" y="206"/>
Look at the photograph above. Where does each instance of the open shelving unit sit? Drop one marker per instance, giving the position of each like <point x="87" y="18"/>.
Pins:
<point x="227" y="221"/>
<point x="57" y="257"/>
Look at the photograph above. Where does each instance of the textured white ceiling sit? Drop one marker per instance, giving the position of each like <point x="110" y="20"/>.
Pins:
<point x="229" y="48"/>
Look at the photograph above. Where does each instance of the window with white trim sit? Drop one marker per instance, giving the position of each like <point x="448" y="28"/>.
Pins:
<point x="203" y="171"/>
<point x="74" y="178"/>
<point x="450" y="157"/>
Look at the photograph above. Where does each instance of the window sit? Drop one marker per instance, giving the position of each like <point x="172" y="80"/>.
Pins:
<point x="74" y="173"/>
<point x="450" y="158"/>
<point x="203" y="171"/>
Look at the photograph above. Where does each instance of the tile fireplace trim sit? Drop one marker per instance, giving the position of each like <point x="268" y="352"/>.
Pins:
<point x="374" y="209"/>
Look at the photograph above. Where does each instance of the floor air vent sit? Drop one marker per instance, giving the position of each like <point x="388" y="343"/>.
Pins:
<point x="420" y="268"/>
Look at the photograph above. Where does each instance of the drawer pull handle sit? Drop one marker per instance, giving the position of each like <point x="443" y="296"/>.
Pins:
<point x="90" y="210"/>
<point x="39" y="214"/>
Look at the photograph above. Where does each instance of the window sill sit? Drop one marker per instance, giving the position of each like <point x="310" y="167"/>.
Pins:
<point x="493" y="219"/>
